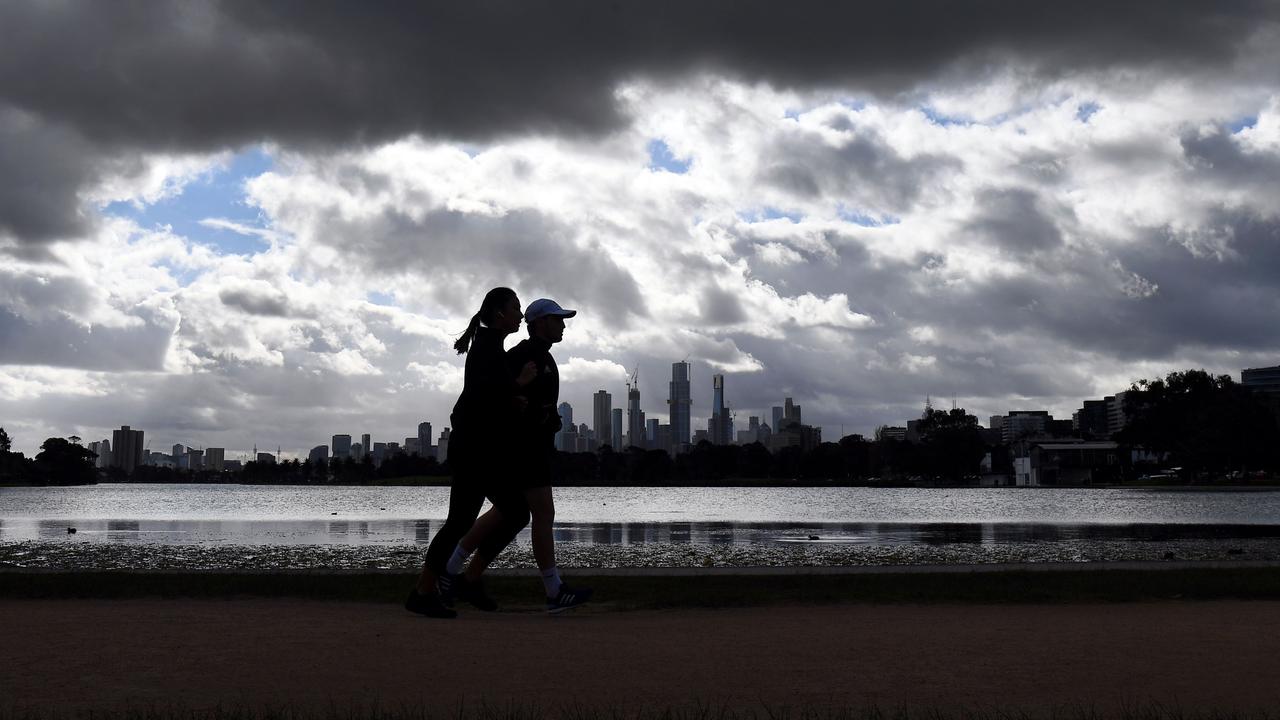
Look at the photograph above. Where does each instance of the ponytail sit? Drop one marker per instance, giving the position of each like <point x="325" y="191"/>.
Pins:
<point x="493" y="300"/>
<point x="464" y="342"/>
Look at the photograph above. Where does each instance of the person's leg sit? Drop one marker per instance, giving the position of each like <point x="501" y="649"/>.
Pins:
<point x="465" y="502"/>
<point x="510" y="515"/>
<point x="542" y="509"/>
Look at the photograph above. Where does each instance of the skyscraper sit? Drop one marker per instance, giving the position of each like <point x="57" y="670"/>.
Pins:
<point x="366" y="446"/>
<point x="566" y="426"/>
<point x="616" y="426"/>
<point x="680" y="403"/>
<point x="635" y="418"/>
<point x="602" y="416"/>
<point x="442" y="447"/>
<point x="651" y="433"/>
<point x="341" y="446"/>
<point x="777" y="418"/>
<point x="128" y="448"/>
<point x="424" y="439"/>
<point x="718" y="426"/>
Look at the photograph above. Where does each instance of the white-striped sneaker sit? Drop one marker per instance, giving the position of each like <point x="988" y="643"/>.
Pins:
<point x="568" y="599"/>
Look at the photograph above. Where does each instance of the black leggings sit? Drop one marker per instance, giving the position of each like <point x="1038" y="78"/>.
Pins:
<point x="465" y="500"/>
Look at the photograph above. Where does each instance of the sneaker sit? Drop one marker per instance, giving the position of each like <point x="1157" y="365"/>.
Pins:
<point x="473" y="593"/>
<point x="428" y="605"/>
<point x="568" y="599"/>
<point x="447" y="587"/>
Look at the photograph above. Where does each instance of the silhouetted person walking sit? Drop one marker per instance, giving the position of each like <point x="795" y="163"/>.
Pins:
<point x="486" y="413"/>
<point x="534" y="447"/>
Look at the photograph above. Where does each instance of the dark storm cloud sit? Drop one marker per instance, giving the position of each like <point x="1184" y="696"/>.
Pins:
<point x="865" y="171"/>
<point x="60" y="341"/>
<point x="463" y="255"/>
<point x="133" y="77"/>
<point x="1011" y="218"/>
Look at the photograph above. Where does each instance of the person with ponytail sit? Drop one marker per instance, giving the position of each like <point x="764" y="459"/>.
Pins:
<point x="484" y="414"/>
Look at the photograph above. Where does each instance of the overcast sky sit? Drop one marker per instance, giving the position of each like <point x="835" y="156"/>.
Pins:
<point x="245" y="223"/>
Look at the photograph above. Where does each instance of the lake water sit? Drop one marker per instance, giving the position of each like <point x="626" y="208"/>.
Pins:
<point x="127" y="525"/>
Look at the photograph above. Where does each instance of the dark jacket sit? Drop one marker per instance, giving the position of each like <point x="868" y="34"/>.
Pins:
<point x="537" y="425"/>
<point x="484" y="412"/>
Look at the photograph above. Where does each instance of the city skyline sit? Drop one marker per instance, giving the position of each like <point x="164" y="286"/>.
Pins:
<point x="1014" y="208"/>
<point x="1099" y="416"/>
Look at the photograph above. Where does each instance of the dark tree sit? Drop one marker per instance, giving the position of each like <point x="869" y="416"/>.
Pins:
<point x="953" y="444"/>
<point x="64" y="463"/>
<point x="5" y="443"/>
<point x="1202" y="422"/>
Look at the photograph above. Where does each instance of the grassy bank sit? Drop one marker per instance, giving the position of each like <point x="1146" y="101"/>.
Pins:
<point x="707" y="591"/>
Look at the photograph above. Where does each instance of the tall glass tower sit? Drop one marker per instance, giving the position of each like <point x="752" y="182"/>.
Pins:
<point x="679" y="402"/>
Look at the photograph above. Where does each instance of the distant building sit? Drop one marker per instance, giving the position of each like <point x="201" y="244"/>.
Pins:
<point x="357" y="451"/>
<point x="602" y="415"/>
<point x="266" y="458"/>
<point x="412" y="446"/>
<point x="1262" y="380"/>
<point x="424" y="439"/>
<point x="232" y="466"/>
<point x="128" y="444"/>
<point x="319" y="455"/>
<point x="379" y="453"/>
<point x="341" y="446"/>
<point x="651" y="433"/>
<point x="215" y="459"/>
<point x="1117" y="416"/>
<point x="366" y="445"/>
<point x="719" y="429"/>
<point x="194" y="459"/>
<point x="1090" y="421"/>
<point x="664" y="439"/>
<point x="102" y="449"/>
<point x="569" y="438"/>
<point x="1069" y="462"/>
<point x="777" y="413"/>
<point x="888" y="432"/>
<point x="1022" y="424"/>
<point x="566" y="424"/>
<point x="442" y="446"/>
<point x="700" y="436"/>
<point x="635" y="417"/>
<point x="615" y="425"/>
<point x="679" y="406"/>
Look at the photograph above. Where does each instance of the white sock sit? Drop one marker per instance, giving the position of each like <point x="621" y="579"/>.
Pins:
<point x="458" y="562"/>
<point x="551" y="581"/>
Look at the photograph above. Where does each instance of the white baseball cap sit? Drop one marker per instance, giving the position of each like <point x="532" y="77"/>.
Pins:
<point x="543" y="307"/>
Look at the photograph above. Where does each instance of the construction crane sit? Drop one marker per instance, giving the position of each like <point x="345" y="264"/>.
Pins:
<point x="633" y="381"/>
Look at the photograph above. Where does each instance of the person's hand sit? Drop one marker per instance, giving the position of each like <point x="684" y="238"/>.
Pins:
<point x="527" y="374"/>
<point x="519" y="402"/>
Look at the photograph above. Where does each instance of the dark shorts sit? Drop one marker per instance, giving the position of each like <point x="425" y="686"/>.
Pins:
<point x="532" y="471"/>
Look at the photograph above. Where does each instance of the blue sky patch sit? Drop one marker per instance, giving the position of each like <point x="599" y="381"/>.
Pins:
<point x="381" y="298"/>
<point x="857" y="217"/>
<point x="938" y="118"/>
<point x="770" y="213"/>
<point x="661" y="158"/>
<point x="1239" y="124"/>
<point x="217" y="194"/>
<point x="1086" y="111"/>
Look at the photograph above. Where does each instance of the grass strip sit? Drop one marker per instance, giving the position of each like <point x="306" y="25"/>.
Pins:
<point x="710" y="591"/>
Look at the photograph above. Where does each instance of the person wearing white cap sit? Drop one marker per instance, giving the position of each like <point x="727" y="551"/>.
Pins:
<point x="534" y="447"/>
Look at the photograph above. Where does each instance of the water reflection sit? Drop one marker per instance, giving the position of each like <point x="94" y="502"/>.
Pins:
<point x="418" y="532"/>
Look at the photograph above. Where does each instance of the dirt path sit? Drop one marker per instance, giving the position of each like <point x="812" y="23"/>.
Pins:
<point x="73" y="654"/>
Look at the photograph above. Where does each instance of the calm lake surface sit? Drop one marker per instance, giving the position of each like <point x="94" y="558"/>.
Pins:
<point x="391" y="516"/>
